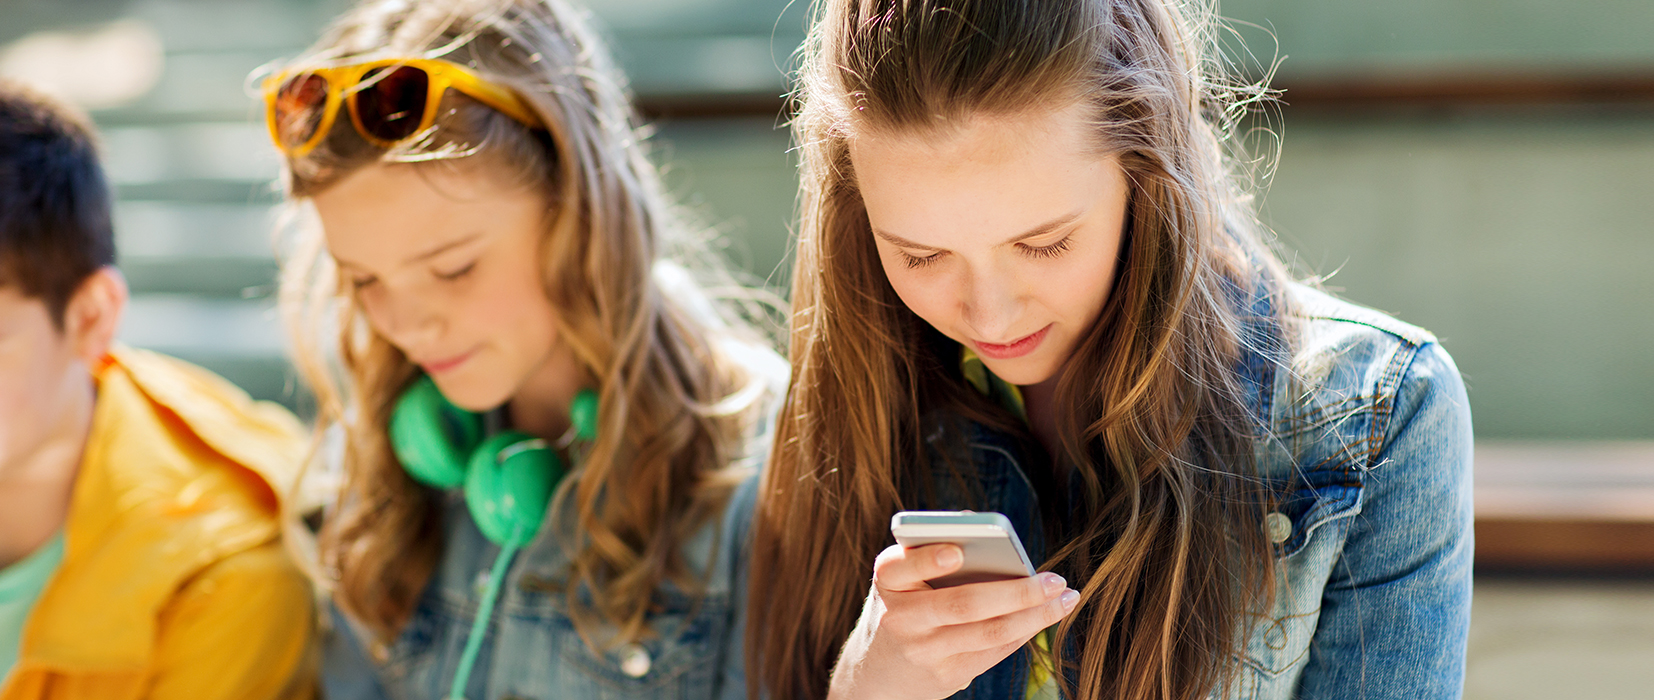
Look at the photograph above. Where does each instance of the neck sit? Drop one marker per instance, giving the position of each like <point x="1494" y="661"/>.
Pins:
<point x="1040" y="400"/>
<point x="35" y="486"/>
<point x="541" y="406"/>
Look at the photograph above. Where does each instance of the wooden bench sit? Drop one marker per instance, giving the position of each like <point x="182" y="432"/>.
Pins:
<point x="1565" y="506"/>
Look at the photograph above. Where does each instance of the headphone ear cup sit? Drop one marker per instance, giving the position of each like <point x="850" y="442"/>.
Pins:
<point x="433" y="438"/>
<point x="508" y="486"/>
<point x="583" y="415"/>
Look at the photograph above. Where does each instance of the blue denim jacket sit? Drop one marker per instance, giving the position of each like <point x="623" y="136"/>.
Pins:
<point x="1369" y="427"/>
<point x="532" y="650"/>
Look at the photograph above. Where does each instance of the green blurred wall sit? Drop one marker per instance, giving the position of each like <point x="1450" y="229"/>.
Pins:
<point x="1525" y="244"/>
<point x="1343" y="37"/>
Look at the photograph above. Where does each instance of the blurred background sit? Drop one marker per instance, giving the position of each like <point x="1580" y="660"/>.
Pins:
<point x="1483" y="168"/>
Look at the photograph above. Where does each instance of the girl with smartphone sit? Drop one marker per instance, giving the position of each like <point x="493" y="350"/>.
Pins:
<point x="542" y="413"/>
<point x="1029" y="281"/>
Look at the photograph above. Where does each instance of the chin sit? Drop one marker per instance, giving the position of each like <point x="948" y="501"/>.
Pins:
<point x="1022" y="371"/>
<point x="473" y="394"/>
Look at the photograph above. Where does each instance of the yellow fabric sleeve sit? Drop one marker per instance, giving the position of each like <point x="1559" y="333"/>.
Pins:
<point x="241" y="629"/>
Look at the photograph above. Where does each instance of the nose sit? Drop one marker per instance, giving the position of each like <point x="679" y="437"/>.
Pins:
<point x="992" y="302"/>
<point x="407" y="321"/>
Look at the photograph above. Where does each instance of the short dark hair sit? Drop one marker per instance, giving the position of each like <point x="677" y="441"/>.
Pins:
<point x="55" y="227"/>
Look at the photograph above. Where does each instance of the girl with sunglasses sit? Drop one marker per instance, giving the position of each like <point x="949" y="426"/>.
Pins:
<point x="544" y="420"/>
<point x="1029" y="281"/>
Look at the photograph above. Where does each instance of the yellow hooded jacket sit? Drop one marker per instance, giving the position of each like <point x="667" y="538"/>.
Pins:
<point x="174" y="582"/>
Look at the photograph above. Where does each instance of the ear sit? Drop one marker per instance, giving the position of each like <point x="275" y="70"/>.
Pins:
<point x="93" y="314"/>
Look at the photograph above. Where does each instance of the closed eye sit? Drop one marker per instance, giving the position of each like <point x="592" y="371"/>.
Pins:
<point x="360" y="283"/>
<point x="456" y="274"/>
<point x="916" y="261"/>
<point x="1047" y="251"/>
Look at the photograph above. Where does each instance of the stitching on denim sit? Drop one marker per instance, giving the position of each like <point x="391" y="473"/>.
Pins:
<point x="1389" y="386"/>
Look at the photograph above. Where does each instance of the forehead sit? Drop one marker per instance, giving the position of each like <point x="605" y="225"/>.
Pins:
<point x="987" y="178"/>
<point x="381" y="214"/>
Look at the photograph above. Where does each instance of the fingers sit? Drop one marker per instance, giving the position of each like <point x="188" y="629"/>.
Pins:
<point x="1007" y="632"/>
<point x="902" y="569"/>
<point x="959" y="653"/>
<point x="976" y="602"/>
<point x="977" y="616"/>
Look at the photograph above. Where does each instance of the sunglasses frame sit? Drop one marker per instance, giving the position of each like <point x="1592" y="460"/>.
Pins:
<point x="344" y="82"/>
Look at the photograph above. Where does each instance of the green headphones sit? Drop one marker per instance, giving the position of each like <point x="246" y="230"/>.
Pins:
<point x="508" y="477"/>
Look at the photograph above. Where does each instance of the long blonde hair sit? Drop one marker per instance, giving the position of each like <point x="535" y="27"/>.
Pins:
<point x="1167" y="546"/>
<point x="675" y="403"/>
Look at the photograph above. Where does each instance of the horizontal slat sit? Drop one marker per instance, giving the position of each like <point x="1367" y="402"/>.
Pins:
<point x="147" y="229"/>
<point x="207" y="277"/>
<point x="202" y="83"/>
<point x="709" y="65"/>
<point x="1564" y="505"/>
<point x="645" y="18"/>
<point x="1575" y="544"/>
<point x="248" y="192"/>
<point x="204" y="327"/>
<point x="207" y="151"/>
<point x="235" y="25"/>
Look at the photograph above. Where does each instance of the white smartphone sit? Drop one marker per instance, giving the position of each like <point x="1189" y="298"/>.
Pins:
<point x="993" y="552"/>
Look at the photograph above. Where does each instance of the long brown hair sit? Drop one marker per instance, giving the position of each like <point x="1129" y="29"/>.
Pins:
<point x="1167" y="550"/>
<point x="675" y="403"/>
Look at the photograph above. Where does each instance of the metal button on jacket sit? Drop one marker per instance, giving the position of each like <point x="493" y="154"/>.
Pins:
<point x="635" y="661"/>
<point x="1278" y="526"/>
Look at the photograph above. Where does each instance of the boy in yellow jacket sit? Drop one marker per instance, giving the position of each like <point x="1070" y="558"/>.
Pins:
<point x="140" y="543"/>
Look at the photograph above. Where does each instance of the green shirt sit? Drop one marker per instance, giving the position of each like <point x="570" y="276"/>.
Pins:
<point x="20" y="585"/>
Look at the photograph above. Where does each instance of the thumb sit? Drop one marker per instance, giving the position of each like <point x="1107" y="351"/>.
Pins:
<point x="901" y="568"/>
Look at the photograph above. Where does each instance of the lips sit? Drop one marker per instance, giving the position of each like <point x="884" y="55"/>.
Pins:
<point x="1014" y="349"/>
<point x="447" y="364"/>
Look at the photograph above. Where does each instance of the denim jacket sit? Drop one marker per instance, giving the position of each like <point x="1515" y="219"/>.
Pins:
<point x="532" y="651"/>
<point x="1367" y="435"/>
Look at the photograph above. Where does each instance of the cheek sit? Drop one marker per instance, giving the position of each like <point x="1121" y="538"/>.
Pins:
<point x="372" y="303"/>
<point x="924" y="292"/>
<point x="1081" y="287"/>
<point x="33" y="376"/>
<point x="512" y="310"/>
<point x="16" y="418"/>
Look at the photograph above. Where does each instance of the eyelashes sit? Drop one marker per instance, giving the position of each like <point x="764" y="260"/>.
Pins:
<point x="1048" y="251"/>
<point x="456" y="274"/>
<point x="1045" y="252"/>
<point x="361" y="283"/>
<point x="917" y="261"/>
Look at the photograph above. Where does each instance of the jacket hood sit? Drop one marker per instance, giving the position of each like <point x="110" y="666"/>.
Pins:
<point x="181" y="469"/>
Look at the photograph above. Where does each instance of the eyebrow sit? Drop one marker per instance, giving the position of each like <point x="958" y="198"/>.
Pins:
<point x="1034" y="232"/>
<point x="423" y="256"/>
<point x="443" y="248"/>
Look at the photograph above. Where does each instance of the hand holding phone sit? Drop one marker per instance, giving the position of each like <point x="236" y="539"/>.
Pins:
<point x="942" y="612"/>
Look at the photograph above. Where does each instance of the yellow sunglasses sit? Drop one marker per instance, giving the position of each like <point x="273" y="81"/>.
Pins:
<point x="389" y="100"/>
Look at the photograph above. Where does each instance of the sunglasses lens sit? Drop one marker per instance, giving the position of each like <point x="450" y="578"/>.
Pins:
<point x="392" y="101"/>
<point x="298" y="108"/>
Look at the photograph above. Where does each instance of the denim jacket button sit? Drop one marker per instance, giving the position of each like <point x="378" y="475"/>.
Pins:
<point x="1278" y="526"/>
<point x="635" y="661"/>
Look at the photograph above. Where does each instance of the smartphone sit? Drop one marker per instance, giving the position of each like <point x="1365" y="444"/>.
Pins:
<point x="993" y="552"/>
